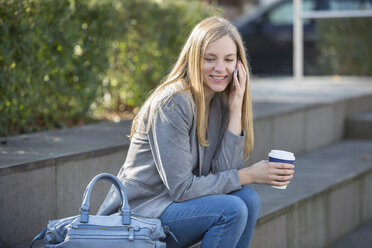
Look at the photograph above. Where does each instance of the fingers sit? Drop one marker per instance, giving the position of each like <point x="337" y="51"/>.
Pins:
<point x="242" y="74"/>
<point x="281" y="177"/>
<point x="281" y="173"/>
<point x="278" y="183"/>
<point x="281" y="165"/>
<point x="240" y="77"/>
<point x="276" y="174"/>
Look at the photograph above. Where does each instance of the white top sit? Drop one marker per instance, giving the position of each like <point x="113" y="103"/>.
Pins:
<point x="279" y="154"/>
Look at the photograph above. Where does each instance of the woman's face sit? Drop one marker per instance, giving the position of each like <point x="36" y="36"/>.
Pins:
<point x="218" y="65"/>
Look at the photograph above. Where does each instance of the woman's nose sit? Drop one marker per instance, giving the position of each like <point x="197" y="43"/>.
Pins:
<point x="220" y="66"/>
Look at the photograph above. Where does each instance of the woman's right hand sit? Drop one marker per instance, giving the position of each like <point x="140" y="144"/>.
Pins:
<point x="264" y="172"/>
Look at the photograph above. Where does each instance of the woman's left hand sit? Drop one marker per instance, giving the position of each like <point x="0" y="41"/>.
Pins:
<point x="237" y="93"/>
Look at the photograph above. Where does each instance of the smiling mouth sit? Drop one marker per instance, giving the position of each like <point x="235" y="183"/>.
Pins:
<point x="219" y="78"/>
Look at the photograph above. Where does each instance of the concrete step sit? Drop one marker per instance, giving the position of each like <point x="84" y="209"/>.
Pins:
<point x="287" y="115"/>
<point x="359" y="126"/>
<point x="330" y="195"/>
<point x="360" y="237"/>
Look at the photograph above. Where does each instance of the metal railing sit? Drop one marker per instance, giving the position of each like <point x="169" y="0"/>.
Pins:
<point x="298" y="30"/>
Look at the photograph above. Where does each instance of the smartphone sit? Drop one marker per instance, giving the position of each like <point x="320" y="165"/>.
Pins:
<point x="235" y="74"/>
<point x="236" y="71"/>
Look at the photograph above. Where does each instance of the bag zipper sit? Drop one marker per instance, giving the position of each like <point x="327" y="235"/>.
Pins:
<point x="130" y="229"/>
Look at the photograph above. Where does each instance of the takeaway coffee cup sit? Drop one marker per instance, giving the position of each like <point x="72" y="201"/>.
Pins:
<point x="281" y="157"/>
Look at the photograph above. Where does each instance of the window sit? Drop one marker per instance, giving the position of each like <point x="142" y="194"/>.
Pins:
<point x="350" y="4"/>
<point x="343" y="5"/>
<point x="283" y="14"/>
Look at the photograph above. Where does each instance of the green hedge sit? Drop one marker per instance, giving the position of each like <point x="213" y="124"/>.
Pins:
<point x="141" y="58"/>
<point x="62" y="62"/>
<point x="346" y="46"/>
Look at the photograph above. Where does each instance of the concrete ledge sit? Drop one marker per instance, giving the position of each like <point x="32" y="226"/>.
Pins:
<point x="303" y="117"/>
<point x="37" y="150"/>
<point x="48" y="171"/>
<point x="359" y="126"/>
<point x="360" y="237"/>
<point x="280" y="106"/>
<point x="29" y="199"/>
<point x="330" y="195"/>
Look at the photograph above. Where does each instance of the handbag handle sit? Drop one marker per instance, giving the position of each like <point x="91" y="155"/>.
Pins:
<point x="85" y="206"/>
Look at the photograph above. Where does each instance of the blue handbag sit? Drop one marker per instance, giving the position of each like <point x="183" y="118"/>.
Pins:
<point x="122" y="229"/>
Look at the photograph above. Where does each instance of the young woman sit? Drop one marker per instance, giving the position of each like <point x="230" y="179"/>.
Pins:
<point x="185" y="163"/>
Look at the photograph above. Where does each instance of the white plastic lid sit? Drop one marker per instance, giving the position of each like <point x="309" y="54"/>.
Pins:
<point x="279" y="154"/>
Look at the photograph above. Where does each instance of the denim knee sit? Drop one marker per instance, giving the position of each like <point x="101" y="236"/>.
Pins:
<point x="251" y="198"/>
<point x="236" y="209"/>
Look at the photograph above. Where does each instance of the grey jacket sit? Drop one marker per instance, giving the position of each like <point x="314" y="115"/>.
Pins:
<point x="168" y="164"/>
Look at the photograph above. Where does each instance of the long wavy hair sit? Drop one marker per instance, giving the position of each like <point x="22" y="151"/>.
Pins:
<point x="187" y="71"/>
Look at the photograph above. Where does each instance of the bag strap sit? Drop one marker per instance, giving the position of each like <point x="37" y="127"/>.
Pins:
<point x="38" y="237"/>
<point x="85" y="206"/>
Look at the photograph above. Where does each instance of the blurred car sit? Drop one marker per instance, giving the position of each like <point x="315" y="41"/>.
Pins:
<point x="268" y="34"/>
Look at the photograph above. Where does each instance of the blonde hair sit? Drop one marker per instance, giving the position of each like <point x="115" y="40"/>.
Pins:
<point x="187" y="70"/>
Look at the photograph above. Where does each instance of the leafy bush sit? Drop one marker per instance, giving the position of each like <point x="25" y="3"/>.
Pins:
<point x="52" y="61"/>
<point x="345" y="46"/>
<point x="62" y="60"/>
<point x="143" y="55"/>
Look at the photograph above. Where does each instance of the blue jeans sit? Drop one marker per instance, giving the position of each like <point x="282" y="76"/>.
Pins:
<point x="217" y="220"/>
